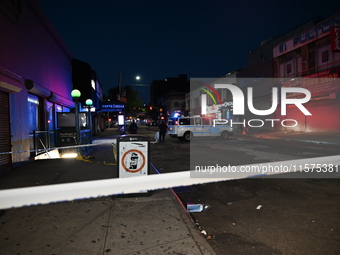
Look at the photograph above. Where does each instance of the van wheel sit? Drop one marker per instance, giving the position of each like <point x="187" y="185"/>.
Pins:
<point x="187" y="136"/>
<point x="225" y="135"/>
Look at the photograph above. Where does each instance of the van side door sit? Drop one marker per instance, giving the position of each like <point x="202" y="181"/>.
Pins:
<point x="183" y="126"/>
<point x="197" y="126"/>
<point x="206" y="128"/>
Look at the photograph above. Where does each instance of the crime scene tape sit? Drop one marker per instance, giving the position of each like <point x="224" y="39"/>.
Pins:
<point x="29" y="196"/>
<point x="55" y="148"/>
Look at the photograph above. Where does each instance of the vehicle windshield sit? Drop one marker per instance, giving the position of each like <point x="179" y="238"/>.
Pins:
<point x="172" y="121"/>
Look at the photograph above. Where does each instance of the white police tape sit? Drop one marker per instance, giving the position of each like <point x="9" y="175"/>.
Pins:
<point x="50" y="149"/>
<point x="29" y="196"/>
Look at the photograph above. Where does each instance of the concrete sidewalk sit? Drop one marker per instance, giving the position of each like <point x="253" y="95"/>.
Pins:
<point x="153" y="223"/>
<point x="136" y="225"/>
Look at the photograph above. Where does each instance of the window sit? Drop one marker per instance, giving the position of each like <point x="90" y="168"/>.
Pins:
<point x="171" y="122"/>
<point x="289" y="68"/>
<point x="184" y="121"/>
<point x="324" y="56"/>
<point x="49" y="113"/>
<point x="224" y="96"/>
<point x="33" y="112"/>
<point x="311" y="60"/>
<point x="196" y="102"/>
<point x="206" y="122"/>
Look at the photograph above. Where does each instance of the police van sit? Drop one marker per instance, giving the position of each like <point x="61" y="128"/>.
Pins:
<point x="185" y="128"/>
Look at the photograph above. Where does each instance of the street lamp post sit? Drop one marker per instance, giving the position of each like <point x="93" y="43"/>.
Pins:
<point x="89" y="103"/>
<point x="75" y="95"/>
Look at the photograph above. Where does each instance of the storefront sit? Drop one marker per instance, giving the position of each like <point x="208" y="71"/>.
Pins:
<point x="5" y="140"/>
<point x="324" y="104"/>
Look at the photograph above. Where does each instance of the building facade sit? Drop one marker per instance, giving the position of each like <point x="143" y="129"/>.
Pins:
<point x="86" y="80"/>
<point x="259" y="75"/>
<point x="307" y="57"/>
<point x="311" y="60"/>
<point x="35" y="79"/>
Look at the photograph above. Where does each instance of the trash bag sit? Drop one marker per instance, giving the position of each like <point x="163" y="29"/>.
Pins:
<point x="157" y="136"/>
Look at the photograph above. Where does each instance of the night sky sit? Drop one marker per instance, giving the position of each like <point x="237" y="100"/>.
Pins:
<point x="156" y="39"/>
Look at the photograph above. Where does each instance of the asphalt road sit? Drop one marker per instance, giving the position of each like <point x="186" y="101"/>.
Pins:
<point x="258" y="215"/>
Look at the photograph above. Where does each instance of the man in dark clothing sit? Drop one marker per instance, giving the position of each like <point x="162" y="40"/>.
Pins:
<point x="133" y="127"/>
<point x="163" y="128"/>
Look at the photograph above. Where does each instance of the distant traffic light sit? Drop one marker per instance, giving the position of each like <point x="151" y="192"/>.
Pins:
<point x="150" y="108"/>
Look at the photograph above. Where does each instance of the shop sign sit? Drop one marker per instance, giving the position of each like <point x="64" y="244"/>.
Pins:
<point x="335" y="38"/>
<point x="314" y="33"/>
<point x="319" y="84"/>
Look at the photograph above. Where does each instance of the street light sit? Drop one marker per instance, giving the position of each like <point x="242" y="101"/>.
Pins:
<point x="89" y="103"/>
<point x="75" y="94"/>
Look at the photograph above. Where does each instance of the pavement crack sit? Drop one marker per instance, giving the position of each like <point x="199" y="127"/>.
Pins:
<point x="108" y="227"/>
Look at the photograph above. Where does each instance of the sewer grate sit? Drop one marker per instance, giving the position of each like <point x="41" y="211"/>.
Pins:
<point x="183" y="189"/>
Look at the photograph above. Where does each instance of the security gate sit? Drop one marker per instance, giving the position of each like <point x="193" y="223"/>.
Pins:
<point x="5" y="134"/>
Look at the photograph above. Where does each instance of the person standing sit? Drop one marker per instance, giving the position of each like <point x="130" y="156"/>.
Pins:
<point x="133" y="127"/>
<point x="163" y="128"/>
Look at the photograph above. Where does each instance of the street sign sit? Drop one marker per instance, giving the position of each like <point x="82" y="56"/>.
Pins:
<point x="133" y="156"/>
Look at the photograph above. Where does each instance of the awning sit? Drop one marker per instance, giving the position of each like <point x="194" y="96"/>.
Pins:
<point x="55" y="98"/>
<point x="10" y="82"/>
<point x="37" y="89"/>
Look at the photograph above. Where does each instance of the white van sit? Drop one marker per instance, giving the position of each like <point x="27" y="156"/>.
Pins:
<point x="185" y="128"/>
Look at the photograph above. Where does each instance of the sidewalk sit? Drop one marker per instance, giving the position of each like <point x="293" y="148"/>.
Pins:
<point x="153" y="223"/>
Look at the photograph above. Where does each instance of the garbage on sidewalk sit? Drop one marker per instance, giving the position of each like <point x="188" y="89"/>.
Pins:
<point x="203" y="231"/>
<point x="197" y="207"/>
<point x="156" y="138"/>
<point x="194" y="207"/>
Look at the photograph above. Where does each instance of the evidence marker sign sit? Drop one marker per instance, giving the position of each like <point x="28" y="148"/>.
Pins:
<point x="132" y="156"/>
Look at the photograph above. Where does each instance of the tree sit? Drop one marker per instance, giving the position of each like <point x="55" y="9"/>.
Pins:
<point x="133" y="100"/>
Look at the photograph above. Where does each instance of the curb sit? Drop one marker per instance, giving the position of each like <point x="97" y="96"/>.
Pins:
<point x="202" y="244"/>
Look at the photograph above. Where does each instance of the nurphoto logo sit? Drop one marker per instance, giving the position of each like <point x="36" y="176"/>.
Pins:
<point x="238" y="105"/>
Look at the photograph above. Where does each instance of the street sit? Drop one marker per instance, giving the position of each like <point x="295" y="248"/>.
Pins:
<point x="244" y="216"/>
<point x="175" y="155"/>
<point x="262" y="215"/>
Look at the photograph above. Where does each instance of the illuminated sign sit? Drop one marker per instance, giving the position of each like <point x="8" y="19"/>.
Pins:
<point x="112" y="106"/>
<point x="335" y="38"/>
<point x="318" y="84"/>
<point x="312" y="34"/>
<point x="121" y="120"/>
